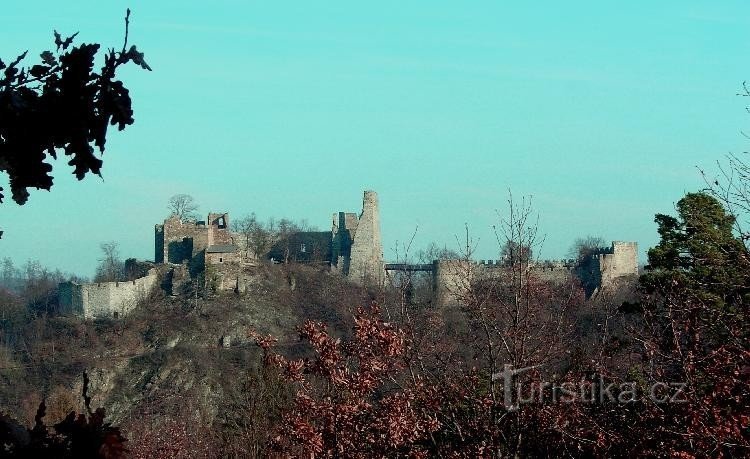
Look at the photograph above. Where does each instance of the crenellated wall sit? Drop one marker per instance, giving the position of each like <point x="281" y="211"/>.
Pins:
<point x="354" y="249"/>
<point x="620" y="261"/>
<point x="105" y="299"/>
<point x="603" y="270"/>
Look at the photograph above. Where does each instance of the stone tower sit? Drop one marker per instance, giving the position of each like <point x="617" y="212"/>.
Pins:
<point x="452" y="280"/>
<point x="609" y="267"/>
<point x="366" y="261"/>
<point x="621" y="260"/>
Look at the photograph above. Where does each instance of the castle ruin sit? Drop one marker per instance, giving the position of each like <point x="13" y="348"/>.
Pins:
<point x="105" y="299"/>
<point x="208" y="251"/>
<point x="357" y="251"/>
<point x="352" y="247"/>
<point x="606" y="268"/>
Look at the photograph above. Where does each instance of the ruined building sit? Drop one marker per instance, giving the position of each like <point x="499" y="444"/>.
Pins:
<point x="204" y="248"/>
<point x="176" y="241"/>
<point x="208" y="252"/>
<point x="104" y="299"/>
<point x="352" y="248"/>
<point x="607" y="268"/>
<point x="357" y="251"/>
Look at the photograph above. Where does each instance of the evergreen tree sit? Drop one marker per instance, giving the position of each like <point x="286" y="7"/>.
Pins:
<point x="695" y="329"/>
<point x="699" y="257"/>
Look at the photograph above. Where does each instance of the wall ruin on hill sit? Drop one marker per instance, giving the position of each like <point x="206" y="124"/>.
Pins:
<point x="209" y="251"/>
<point x="605" y="269"/>
<point x="105" y="299"/>
<point x="353" y="248"/>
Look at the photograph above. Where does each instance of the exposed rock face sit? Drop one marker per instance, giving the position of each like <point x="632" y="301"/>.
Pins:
<point x="366" y="262"/>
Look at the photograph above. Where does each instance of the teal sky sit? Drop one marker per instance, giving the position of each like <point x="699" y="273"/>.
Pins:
<point x="599" y="110"/>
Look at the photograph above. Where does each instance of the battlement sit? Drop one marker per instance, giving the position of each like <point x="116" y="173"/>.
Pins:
<point x="544" y="265"/>
<point x="105" y="299"/>
<point x="603" y="269"/>
<point x="354" y="249"/>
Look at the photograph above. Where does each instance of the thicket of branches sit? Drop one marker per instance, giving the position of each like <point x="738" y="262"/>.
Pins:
<point x="454" y="382"/>
<point x="402" y="378"/>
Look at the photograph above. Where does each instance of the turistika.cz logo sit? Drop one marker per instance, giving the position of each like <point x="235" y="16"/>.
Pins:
<point x="516" y="393"/>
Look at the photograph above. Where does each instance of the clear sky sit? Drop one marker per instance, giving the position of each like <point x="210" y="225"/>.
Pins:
<point x="599" y="110"/>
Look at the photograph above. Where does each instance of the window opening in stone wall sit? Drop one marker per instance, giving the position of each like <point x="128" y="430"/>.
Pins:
<point x="221" y="260"/>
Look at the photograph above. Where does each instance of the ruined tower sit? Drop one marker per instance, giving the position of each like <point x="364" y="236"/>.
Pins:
<point x="366" y="259"/>
<point x="343" y="229"/>
<point x="619" y="261"/>
<point x="452" y="280"/>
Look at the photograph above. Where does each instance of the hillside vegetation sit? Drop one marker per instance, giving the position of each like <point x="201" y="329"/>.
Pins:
<point x="307" y="364"/>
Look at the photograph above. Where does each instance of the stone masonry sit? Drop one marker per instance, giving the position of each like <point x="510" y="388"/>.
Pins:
<point x="177" y="241"/>
<point x="186" y="250"/>
<point x="206" y="247"/>
<point x="366" y="254"/>
<point x="606" y="269"/>
<point x="105" y="299"/>
<point x="353" y="248"/>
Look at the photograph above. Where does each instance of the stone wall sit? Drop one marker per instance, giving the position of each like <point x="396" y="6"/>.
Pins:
<point x="218" y="232"/>
<point x="223" y="258"/>
<point x="366" y="260"/>
<point x="557" y="273"/>
<point x="70" y="298"/>
<point x="452" y="279"/>
<point x="105" y="299"/>
<point x="621" y="260"/>
<point x="178" y="241"/>
<point x="353" y="246"/>
<point x="605" y="269"/>
<point x="354" y="249"/>
<point x="343" y="228"/>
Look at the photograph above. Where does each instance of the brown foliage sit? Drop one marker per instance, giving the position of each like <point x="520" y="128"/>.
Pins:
<point x="353" y="399"/>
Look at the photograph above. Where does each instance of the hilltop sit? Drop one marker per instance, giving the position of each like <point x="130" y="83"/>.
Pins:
<point x="174" y="357"/>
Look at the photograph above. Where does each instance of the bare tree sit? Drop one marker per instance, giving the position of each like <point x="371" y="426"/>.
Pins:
<point x="257" y="236"/>
<point x="517" y="234"/>
<point x="183" y="206"/>
<point x="110" y="267"/>
<point x="9" y="275"/>
<point x="584" y="247"/>
<point x="731" y="184"/>
<point x="512" y="254"/>
<point x="517" y="319"/>
<point x="285" y="228"/>
<point x="402" y="281"/>
<point x="434" y="252"/>
<point x="244" y="227"/>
